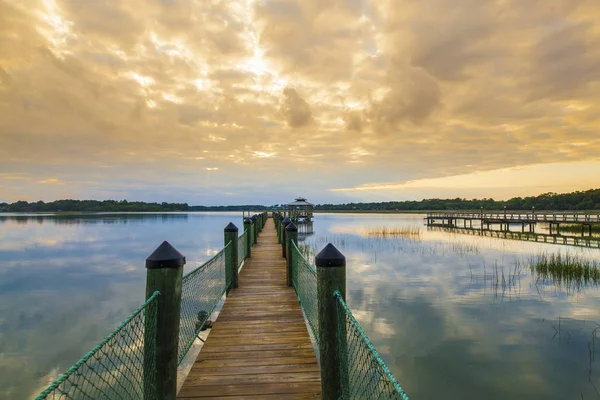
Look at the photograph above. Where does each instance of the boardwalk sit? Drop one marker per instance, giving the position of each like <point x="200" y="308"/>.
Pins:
<point x="259" y="347"/>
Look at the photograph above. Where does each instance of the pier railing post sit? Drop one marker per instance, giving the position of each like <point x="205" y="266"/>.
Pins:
<point x="331" y="276"/>
<point x="279" y="223"/>
<point x="291" y="233"/>
<point x="284" y="224"/>
<point x="231" y="262"/>
<point x="255" y="226"/>
<point x="248" y="230"/>
<point x="164" y="272"/>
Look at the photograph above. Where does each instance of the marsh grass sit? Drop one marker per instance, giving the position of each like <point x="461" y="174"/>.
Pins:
<point x="396" y="231"/>
<point x="570" y="271"/>
<point x="307" y="251"/>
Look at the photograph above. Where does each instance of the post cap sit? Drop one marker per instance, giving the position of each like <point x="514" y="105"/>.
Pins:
<point x="165" y="256"/>
<point x="254" y="217"/>
<point x="286" y="221"/>
<point x="330" y="257"/>
<point x="231" y="228"/>
<point x="291" y="227"/>
<point x="247" y="221"/>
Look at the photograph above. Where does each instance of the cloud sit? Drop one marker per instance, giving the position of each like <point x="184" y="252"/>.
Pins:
<point x="103" y="91"/>
<point x="412" y="95"/>
<point x="295" y="109"/>
<point x="52" y="181"/>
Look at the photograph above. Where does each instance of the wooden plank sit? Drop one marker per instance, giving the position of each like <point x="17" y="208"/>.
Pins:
<point x="200" y="391"/>
<point x="255" y="369"/>
<point x="279" y="396"/>
<point x="247" y="379"/>
<point x="259" y="346"/>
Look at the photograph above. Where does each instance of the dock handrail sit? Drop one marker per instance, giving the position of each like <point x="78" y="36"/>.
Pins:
<point x="351" y="368"/>
<point x="124" y="364"/>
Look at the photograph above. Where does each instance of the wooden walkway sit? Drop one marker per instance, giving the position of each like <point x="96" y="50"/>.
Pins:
<point x="259" y="346"/>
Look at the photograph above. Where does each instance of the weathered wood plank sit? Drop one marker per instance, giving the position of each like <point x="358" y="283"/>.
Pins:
<point x="200" y="391"/>
<point x="259" y="347"/>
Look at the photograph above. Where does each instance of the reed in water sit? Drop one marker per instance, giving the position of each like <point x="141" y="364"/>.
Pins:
<point x="567" y="269"/>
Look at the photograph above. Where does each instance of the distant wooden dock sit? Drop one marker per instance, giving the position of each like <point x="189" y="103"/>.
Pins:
<point x="485" y="219"/>
<point x="259" y="347"/>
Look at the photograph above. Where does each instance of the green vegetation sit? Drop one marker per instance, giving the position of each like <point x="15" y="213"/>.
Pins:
<point x="402" y="231"/>
<point x="70" y="206"/>
<point x="566" y="270"/>
<point x="585" y="200"/>
<point x="307" y="251"/>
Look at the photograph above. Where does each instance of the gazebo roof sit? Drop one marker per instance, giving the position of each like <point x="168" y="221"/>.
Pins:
<point x="300" y="201"/>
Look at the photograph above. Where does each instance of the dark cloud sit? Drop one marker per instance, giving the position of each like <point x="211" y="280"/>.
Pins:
<point x="295" y="109"/>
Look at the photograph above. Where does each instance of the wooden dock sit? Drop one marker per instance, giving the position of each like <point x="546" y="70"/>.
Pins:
<point x="259" y="347"/>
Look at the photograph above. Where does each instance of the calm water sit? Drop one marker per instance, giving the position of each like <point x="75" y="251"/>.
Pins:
<point x="453" y="315"/>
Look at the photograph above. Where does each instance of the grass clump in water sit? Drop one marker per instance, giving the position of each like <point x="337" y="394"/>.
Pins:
<point x="568" y="270"/>
<point x="307" y="251"/>
<point x="402" y="231"/>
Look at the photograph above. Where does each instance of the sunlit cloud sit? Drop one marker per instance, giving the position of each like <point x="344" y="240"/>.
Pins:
<point x="367" y="101"/>
<point x="52" y="181"/>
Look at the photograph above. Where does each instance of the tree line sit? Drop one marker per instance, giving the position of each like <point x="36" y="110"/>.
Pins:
<point x="581" y="200"/>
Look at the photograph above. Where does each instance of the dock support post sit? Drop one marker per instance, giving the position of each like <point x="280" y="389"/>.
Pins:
<point x="231" y="262"/>
<point x="248" y="230"/>
<point x="331" y="276"/>
<point x="284" y="224"/>
<point x="278" y="224"/>
<point x="254" y="229"/>
<point x="291" y="234"/>
<point x="164" y="272"/>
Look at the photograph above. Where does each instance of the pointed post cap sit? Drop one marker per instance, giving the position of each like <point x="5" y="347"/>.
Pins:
<point x="231" y="228"/>
<point x="286" y="221"/>
<point x="165" y="256"/>
<point x="330" y="257"/>
<point x="254" y="217"/>
<point x="247" y="221"/>
<point x="291" y="227"/>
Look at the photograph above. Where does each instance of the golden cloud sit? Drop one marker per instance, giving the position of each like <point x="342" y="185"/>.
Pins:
<point x="122" y="92"/>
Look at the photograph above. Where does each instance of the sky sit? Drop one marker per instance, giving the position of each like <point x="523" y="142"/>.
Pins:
<point x="259" y="101"/>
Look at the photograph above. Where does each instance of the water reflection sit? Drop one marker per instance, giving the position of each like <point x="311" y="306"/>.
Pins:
<point x="567" y="240"/>
<point x="464" y="317"/>
<point x="94" y="218"/>
<point x="67" y="281"/>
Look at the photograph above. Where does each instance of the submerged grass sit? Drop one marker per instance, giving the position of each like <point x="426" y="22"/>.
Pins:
<point x="402" y="231"/>
<point x="566" y="270"/>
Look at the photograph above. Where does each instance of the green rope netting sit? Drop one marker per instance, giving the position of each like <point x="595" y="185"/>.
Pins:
<point x="242" y="248"/>
<point x="304" y="279"/>
<point x="201" y="291"/>
<point x="115" y="368"/>
<point x="366" y="375"/>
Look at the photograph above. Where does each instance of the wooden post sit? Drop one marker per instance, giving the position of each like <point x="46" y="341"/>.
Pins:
<point x="164" y="271"/>
<point x="284" y="224"/>
<point x="278" y="224"/>
<point x="248" y="230"/>
<point x="331" y="276"/>
<point x="231" y="270"/>
<point x="291" y="233"/>
<point x="255" y="226"/>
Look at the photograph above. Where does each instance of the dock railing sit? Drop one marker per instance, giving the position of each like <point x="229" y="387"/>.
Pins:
<point x="139" y="359"/>
<point x="350" y="366"/>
